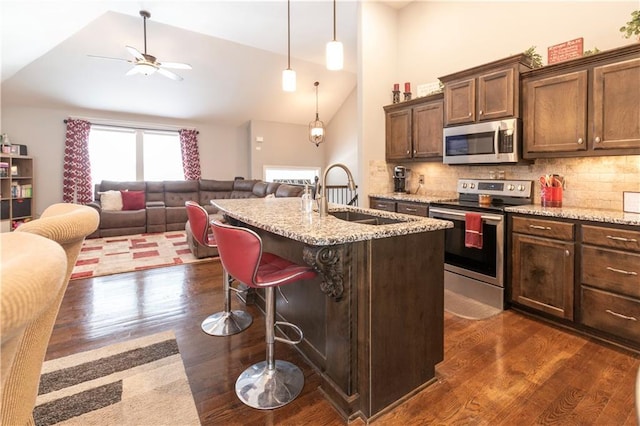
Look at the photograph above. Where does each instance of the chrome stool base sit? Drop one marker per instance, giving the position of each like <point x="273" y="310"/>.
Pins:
<point x="263" y="388"/>
<point x="226" y="323"/>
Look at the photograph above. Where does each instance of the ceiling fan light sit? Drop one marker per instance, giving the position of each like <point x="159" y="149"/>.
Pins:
<point x="335" y="55"/>
<point x="289" y="80"/>
<point x="146" y="69"/>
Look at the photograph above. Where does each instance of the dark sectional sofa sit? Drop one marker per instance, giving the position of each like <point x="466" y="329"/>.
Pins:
<point x="164" y="204"/>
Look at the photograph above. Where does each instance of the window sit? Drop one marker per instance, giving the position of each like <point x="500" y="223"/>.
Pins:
<point x="128" y="154"/>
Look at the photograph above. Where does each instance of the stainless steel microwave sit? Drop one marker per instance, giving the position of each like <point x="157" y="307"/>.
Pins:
<point x="483" y="143"/>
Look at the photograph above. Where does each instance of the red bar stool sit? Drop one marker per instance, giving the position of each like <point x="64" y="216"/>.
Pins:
<point x="226" y="322"/>
<point x="272" y="383"/>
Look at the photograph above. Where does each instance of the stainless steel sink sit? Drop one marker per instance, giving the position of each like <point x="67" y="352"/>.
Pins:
<point x="364" y="218"/>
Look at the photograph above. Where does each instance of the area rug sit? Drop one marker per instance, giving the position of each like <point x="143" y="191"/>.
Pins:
<point x="467" y="308"/>
<point x="138" y="382"/>
<point x="113" y="255"/>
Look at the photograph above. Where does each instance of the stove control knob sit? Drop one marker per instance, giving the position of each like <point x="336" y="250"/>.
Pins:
<point x="464" y="184"/>
<point x="473" y="185"/>
<point x="511" y="187"/>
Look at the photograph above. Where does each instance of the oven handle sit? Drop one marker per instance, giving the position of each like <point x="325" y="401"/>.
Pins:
<point x="457" y="214"/>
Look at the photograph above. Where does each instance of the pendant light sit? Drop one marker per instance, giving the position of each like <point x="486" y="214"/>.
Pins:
<point x="316" y="127"/>
<point x="289" y="75"/>
<point x="335" y="52"/>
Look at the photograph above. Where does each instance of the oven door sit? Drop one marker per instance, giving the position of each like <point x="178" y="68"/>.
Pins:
<point x="486" y="264"/>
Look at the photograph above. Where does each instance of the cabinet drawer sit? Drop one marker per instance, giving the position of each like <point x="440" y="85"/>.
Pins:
<point x="544" y="228"/>
<point x="611" y="237"/>
<point x="414" y="209"/>
<point x="618" y="315"/>
<point x="611" y="270"/>
<point x="387" y="205"/>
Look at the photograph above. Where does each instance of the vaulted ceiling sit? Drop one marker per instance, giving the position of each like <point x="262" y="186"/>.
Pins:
<point x="237" y="50"/>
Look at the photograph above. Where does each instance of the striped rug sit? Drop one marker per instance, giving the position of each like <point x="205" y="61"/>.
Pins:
<point x="138" y="382"/>
<point x="114" y="255"/>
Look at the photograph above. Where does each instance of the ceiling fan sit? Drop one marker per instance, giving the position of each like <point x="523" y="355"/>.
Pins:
<point x="146" y="64"/>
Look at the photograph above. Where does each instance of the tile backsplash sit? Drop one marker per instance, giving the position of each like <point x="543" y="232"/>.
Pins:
<point x="596" y="182"/>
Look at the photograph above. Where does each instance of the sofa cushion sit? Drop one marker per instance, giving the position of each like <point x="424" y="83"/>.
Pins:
<point x="133" y="200"/>
<point x="123" y="219"/>
<point x="155" y="191"/>
<point x="176" y="193"/>
<point x="111" y="200"/>
<point x="260" y="189"/>
<point x="286" y="190"/>
<point x="214" y="189"/>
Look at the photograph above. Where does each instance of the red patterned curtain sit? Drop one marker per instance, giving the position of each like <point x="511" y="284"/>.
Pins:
<point x="190" y="155"/>
<point x="76" y="178"/>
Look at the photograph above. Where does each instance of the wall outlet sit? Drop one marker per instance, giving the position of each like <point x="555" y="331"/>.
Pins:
<point x="421" y="180"/>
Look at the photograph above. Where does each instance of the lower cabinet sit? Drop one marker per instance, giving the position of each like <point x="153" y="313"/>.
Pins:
<point x="600" y="298"/>
<point x="543" y="260"/>
<point x="406" y="207"/>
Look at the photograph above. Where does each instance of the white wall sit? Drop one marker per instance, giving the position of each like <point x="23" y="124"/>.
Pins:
<point x="283" y="145"/>
<point x="436" y="38"/>
<point x="377" y="71"/>
<point x="341" y="143"/>
<point x="223" y="149"/>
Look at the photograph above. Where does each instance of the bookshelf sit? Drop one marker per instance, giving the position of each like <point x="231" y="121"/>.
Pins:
<point x="16" y="190"/>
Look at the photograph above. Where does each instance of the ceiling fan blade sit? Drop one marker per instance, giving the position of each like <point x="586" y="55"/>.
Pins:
<point x="108" y="57"/>
<point x="174" y="65"/>
<point x="135" y="52"/>
<point x="169" y="74"/>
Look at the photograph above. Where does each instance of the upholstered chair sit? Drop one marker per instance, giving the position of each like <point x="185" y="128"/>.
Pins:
<point x="32" y="270"/>
<point x="68" y="225"/>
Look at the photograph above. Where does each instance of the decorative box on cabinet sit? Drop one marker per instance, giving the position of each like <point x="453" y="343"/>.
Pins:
<point x="584" y="107"/>
<point x="610" y="281"/>
<point x="414" y="129"/>
<point x="487" y="92"/>
<point x="16" y="191"/>
<point x="543" y="259"/>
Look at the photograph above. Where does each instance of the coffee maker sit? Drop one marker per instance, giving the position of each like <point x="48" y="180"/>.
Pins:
<point x="400" y="179"/>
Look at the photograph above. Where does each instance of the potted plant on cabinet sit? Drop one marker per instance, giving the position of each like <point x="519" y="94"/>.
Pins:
<point x="633" y="26"/>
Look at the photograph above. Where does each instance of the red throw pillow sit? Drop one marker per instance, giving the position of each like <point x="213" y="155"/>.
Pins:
<point x="132" y="200"/>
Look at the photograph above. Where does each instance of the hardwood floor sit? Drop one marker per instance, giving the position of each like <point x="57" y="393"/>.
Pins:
<point x="509" y="369"/>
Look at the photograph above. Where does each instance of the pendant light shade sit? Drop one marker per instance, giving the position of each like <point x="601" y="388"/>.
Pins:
<point x="335" y="51"/>
<point x="289" y="75"/>
<point x="316" y="127"/>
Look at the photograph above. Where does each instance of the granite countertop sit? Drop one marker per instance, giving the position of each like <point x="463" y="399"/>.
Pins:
<point x="283" y="216"/>
<point x="579" y="213"/>
<point x="417" y="198"/>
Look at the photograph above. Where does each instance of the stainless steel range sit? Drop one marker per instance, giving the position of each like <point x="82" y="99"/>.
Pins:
<point x="479" y="273"/>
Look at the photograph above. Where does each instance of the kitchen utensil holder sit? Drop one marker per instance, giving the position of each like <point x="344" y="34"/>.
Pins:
<point x="551" y="196"/>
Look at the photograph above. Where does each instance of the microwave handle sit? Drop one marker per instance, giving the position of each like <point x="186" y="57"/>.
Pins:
<point x="496" y="137"/>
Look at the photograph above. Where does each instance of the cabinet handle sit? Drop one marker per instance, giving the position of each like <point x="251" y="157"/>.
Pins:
<point x="415" y="151"/>
<point x="410" y="209"/>
<point x="480" y="112"/>
<point x="615" y="314"/>
<point x="626" y="240"/>
<point x="469" y="115"/>
<point x="567" y="253"/>
<point x="544" y="228"/>
<point x="580" y="141"/>
<point x="598" y="140"/>
<point x="622" y="271"/>
<point x="408" y="152"/>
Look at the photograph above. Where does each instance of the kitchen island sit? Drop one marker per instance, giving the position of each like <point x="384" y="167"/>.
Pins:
<point x="373" y="318"/>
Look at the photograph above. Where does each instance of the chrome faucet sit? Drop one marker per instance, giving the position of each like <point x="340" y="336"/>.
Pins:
<point x="323" y="204"/>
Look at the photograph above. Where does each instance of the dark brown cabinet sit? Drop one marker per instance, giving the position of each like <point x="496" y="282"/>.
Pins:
<point x="586" y="106"/>
<point x="487" y="92"/>
<point x="405" y="207"/>
<point x="16" y="191"/>
<point x="610" y="281"/>
<point x="414" y="129"/>
<point x="543" y="259"/>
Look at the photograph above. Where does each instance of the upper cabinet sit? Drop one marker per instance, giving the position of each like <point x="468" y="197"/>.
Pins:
<point x="414" y="129"/>
<point x="583" y="107"/>
<point x="487" y="92"/>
